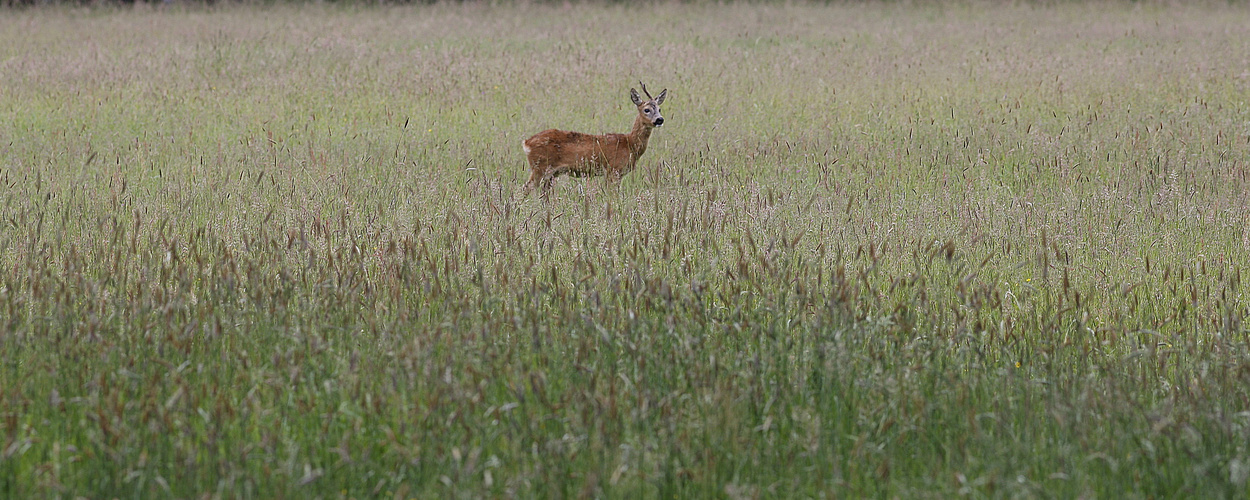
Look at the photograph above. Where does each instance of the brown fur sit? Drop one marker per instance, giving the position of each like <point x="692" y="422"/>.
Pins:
<point x="553" y="153"/>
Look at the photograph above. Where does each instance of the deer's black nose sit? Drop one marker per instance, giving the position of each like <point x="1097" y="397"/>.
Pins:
<point x="659" y="121"/>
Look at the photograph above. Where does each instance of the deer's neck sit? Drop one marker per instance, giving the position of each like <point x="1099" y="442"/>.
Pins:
<point x="639" y="135"/>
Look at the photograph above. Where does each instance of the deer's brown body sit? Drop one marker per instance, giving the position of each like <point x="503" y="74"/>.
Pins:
<point x="553" y="153"/>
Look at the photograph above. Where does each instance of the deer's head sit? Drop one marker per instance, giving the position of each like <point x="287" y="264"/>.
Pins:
<point x="650" y="108"/>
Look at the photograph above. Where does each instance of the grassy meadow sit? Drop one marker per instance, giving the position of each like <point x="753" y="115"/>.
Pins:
<point x="894" y="251"/>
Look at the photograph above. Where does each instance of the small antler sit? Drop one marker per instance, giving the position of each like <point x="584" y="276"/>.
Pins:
<point x="644" y="90"/>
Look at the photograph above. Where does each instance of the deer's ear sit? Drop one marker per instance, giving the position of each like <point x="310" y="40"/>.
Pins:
<point x="660" y="98"/>
<point x="633" y="96"/>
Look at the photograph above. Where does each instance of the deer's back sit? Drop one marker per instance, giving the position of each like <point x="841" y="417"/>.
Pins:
<point x="575" y="150"/>
<point x="552" y="138"/>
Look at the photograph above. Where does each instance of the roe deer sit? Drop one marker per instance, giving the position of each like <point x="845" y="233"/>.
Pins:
<point x="555" y="152"/>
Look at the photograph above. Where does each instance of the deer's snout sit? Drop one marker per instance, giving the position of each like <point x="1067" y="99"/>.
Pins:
<point x="659" y="121"/>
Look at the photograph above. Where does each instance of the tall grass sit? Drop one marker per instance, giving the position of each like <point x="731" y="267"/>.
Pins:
<point x="876" y="250"/>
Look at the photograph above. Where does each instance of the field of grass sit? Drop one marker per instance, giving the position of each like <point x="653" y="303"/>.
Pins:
<point x="913" y="251"/>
